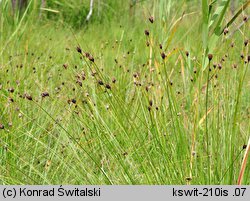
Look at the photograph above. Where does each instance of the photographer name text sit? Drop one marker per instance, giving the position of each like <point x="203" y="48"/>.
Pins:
<point x="52" y="192"/>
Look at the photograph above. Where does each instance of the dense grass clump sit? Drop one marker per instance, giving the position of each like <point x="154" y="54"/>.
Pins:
<point x="151" y="97"/>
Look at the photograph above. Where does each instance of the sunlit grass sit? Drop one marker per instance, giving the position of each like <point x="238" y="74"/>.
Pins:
<point x="120" y="108"/>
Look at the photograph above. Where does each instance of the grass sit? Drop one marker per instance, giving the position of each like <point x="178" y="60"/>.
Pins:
<point x="107" y="104"/>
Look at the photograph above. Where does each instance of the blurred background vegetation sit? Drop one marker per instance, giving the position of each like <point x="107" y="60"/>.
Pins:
<point x="74" y="12"/>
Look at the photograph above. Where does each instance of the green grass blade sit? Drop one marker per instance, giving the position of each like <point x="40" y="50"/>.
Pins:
<point x="205" y="18"/>
<point x="240" y="10"/>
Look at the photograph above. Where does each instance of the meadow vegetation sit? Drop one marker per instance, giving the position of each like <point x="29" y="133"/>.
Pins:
<point x="146" y="92"/>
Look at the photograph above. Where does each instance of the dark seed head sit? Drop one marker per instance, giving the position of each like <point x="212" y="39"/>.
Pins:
<point x="244" y="146"/>
<point x="93" y="73"/>
<point x="108" y="86"/>
<point x="11" y="100"/>
<point x="1" y="126"/>
<point x="91" y="58"/>
<point x="135" y="75"/>
<point x="245" y="42"/>
<point x="29" y="97"/>
<point x="113" y="80"/>
<point x="11" y="90"/>
<point x="210" y="57"/>
<point x="248" y="58"/>
<point x="225" y="31"/>
<point x="146" y="32"/>
<point x="78" y="49"/>
<point x="79" y="82"/>
<point x="45" y="94"/>
<point x="73" y="101"/>
<point x="87" y="54"/>
<point x="151" y="19"/>
<point x="163" y="55"/>
<point x="245" y="18"/>
<point x="219" y="66"/>
<point x="151" y="103"/>
<point x="187" y="53"/>
<point x="65" y="66"/>
<point x="160" y="46"/>
<point x="100" y="82"/>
